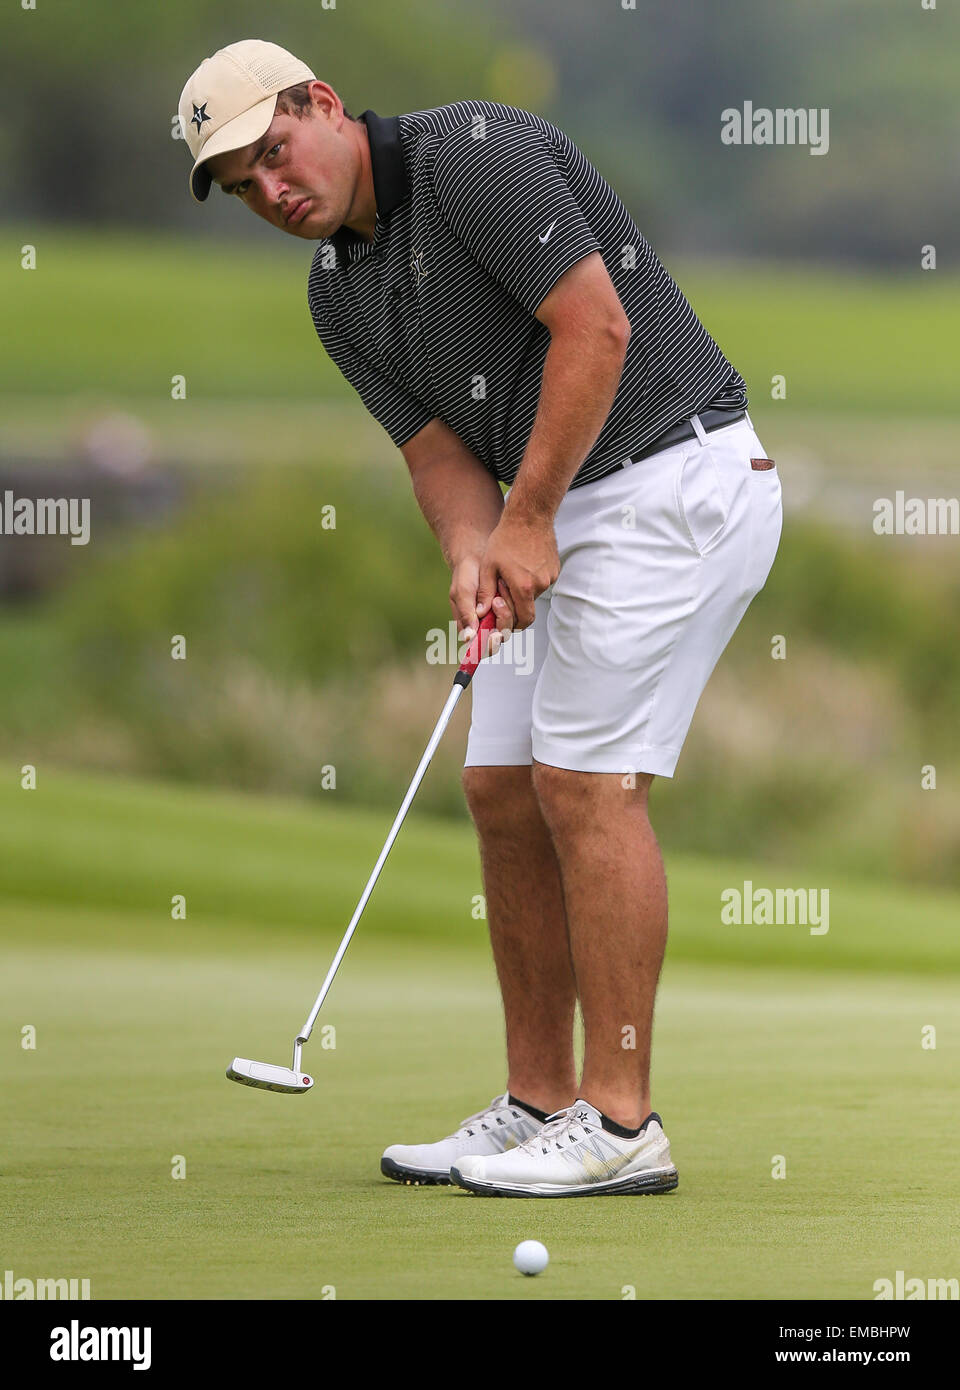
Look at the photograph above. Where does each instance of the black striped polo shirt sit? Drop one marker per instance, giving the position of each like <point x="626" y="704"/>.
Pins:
<point x="480" y="209"/>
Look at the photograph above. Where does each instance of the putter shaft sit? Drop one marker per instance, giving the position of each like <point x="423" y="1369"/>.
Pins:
<point x="461" y="681"/>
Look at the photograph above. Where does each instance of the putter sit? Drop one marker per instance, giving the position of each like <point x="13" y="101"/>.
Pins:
<point x="266" y="1076"/>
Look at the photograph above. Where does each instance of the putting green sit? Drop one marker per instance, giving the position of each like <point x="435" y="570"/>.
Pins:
<point x="282" y="1196"/>
<point x="137" y="1015"/>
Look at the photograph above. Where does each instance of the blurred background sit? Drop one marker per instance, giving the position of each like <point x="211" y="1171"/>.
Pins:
<point x="172" y="889"/>
<point x="305" y="645"/>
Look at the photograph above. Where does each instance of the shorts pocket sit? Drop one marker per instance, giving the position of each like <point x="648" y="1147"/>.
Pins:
<point x="701" y="498"/>
<point x="766" y="526"/>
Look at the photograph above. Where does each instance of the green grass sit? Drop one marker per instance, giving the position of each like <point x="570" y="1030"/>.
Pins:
<point x="120" y="314"/>
<point x="829" y="334"/>
<point x="259" y="864"/>
<point x="282" y="1197"/>
<point x="137" y="1016"/>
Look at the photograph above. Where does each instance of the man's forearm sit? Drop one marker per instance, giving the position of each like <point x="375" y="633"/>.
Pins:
<point x="460" y="500"/>
<point x="580" y="378"/>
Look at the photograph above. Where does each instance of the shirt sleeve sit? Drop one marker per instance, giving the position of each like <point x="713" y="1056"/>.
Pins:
<point x="508" y="203"/>
<point x="400" y="414"/>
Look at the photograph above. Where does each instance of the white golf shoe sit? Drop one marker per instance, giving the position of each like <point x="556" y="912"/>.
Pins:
<point x="572" y="1155"/>
<point x="502" y="1126"/>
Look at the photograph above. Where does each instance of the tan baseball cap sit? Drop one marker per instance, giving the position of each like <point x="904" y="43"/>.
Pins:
<point x="230" y="100"/>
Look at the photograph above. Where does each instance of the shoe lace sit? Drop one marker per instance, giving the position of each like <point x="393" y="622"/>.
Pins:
<point x="556" y="1127"/>
<point x="497" y="1114"/>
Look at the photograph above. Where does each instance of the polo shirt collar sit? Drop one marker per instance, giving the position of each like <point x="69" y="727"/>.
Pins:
<point x="390" y="182"/>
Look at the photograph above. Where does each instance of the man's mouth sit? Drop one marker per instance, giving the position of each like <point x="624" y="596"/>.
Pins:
<point x="296" y="212"/>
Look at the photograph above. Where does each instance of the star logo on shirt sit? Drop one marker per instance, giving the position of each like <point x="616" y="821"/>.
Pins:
<point x="199" y="115"/>
<point x="417" y="266"/>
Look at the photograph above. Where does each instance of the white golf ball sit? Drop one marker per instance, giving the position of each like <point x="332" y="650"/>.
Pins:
<point x="530" y="1257"/>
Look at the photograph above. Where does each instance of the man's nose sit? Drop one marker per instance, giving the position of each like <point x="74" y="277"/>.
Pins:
<point x="273" y="190"/>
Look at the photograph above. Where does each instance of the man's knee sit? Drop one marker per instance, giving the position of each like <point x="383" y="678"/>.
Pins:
<point x="499" y="797"/>
<point x="570" y="800"/>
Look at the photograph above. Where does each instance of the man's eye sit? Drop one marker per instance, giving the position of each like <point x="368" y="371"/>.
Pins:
<point x="272" y="152"/>
<point x="241" y="188"/>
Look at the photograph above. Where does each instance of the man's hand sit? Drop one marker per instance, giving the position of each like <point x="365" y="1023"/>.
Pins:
<point x="520" y="561"/>
<point x="464" y="582"/>
<point x="464" y="579"/>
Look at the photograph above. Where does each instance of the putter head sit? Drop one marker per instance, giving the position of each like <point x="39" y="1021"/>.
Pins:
<point x="268" y="1077"/>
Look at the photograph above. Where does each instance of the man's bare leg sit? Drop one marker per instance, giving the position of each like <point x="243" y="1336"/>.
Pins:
<point x="528" y="932"/>
<point x="615" y="895"/>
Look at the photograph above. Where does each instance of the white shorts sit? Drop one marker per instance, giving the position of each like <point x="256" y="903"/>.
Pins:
<point x="658" y="563"/>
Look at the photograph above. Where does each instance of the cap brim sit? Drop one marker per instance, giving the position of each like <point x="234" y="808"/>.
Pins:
<point x="233" y="136"/>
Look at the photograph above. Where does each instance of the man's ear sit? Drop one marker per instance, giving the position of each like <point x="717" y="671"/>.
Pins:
<point x="323" y="99"/>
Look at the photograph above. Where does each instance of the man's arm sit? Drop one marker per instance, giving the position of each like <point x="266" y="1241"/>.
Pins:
<point x="462" y="504"/>
<point x="589" y="333"/>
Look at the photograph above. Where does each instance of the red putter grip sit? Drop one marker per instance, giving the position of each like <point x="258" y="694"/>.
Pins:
<point x="477" y="649"/>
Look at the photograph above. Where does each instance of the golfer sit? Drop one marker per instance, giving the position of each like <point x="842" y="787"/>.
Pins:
<point x="496" y="307"/>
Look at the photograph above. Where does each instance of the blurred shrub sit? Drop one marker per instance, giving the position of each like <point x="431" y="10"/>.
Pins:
<point x="306" y="650"/>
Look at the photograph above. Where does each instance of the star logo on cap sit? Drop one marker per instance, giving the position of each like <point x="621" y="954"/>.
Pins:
<point x="199" y="115"/>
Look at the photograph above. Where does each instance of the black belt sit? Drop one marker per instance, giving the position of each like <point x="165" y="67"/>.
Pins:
<point x="711" y="419"/>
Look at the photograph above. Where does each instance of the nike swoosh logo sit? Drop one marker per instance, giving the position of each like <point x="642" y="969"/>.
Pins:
<point x="546" y="236"/>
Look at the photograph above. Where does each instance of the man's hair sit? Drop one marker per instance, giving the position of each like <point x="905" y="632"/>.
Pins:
<point x="295" y="101"/>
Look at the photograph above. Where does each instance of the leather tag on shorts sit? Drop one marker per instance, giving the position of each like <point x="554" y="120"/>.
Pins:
<point x="760" y="464"/>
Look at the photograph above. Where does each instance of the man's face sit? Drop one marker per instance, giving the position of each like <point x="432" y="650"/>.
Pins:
<point x="301" y="175"/>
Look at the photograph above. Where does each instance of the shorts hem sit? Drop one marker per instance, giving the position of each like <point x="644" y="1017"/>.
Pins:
<point x="660" y="762"/>
<point x="484" y="752"/>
